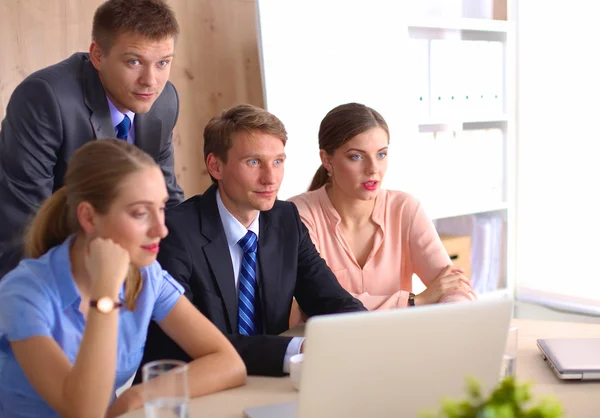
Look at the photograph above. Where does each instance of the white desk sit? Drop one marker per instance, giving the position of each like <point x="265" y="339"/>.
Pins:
<point x="579" y="399"/>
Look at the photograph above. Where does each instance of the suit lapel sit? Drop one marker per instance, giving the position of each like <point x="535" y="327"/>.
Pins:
<point x="269" y="261"/>
<point x="217" y="254"/>
<point x="95" y="100"/>
<point x="148" y="128"/>
<point x="148" y="133"/>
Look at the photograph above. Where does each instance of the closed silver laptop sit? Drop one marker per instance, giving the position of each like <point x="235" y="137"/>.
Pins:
<point x="572" y="358"/>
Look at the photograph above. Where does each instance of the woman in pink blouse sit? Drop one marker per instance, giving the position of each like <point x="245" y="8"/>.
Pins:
<point x="373" y="239"/>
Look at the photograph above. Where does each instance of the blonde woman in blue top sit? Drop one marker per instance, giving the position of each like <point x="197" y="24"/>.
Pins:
<point x="64" y="347"/>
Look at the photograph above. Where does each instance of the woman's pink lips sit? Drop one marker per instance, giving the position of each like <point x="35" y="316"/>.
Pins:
<point x="152" y="248"/>
<point x="371" y="186"/>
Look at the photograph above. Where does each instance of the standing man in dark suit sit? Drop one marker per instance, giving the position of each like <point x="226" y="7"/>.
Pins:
<point x="119" y="89"/>
<point x="242" y="255"/>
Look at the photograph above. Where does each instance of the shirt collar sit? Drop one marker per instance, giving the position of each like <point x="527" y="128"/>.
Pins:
<point x="61" y="266"/>
<point x="116" y="115"/>
<point x="334" y="217"/>
<point x="234" y="230"/>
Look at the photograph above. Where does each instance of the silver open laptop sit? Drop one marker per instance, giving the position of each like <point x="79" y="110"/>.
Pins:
<point x="572" y="358"/>
<point x="396" y="363"/>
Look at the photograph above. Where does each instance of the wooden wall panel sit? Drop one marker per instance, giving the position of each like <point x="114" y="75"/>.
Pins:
<point x="216" y="66"/>
<point x="38" y="33"/>
<point x="216" y="63"/>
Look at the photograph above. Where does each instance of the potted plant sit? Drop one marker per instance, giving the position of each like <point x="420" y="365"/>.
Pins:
<point x="508" y="400"/>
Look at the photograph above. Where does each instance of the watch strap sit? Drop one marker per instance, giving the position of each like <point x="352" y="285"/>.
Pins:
<point x="116" y="304"/>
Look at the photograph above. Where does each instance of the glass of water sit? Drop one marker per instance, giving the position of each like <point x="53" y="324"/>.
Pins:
<point x="509" y="359"/>
<point x="166" y="390"/>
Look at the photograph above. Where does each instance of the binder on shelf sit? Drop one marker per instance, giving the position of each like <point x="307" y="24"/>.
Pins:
<point x="418" y="57"/>
<point x="444" y="181"/>
<point x="466" y="79"/>
<point x="487" y="58"/>
<point x="417" y="160"/>
<point x="446" y="78"/>
<point x="467" y="154"/>
<point x="496" y="255"/>
<point x="471" y="164"/>
<point x="471" y="76"/>
<point x="478" y="9"/>
<point x="495" y="81"/>
<point x="478" y="79"/>
<point x="483" y="174"/>
<point x="436" y="8"/>
<point x="493" y="160"/>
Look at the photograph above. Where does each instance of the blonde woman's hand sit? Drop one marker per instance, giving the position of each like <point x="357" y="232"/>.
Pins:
<point x="107" y="264"/>
<point x="451" y="279"/>
<point x="130" y="400"/>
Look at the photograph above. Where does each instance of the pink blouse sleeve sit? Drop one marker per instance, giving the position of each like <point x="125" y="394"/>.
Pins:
<point x="428" y="255"/>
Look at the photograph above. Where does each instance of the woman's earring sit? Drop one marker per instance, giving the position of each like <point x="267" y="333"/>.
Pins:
<point x="329" y="174"/>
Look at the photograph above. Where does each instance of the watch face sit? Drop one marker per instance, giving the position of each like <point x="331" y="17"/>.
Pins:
<point x="105" y="305"/>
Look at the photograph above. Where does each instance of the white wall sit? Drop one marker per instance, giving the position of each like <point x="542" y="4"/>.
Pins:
<point x="558" y="179"/>
<point x="320" y="54"/>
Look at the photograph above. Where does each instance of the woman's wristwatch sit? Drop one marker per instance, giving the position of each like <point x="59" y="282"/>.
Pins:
<point x="105" y="304"/>
<point x="411" y="299"/>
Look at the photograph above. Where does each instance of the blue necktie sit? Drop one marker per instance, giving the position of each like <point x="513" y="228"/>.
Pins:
<point x="123" y="128"/>
<point x="247" y="285"/>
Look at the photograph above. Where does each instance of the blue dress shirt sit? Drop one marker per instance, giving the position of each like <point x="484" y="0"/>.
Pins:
<point x="40" y="298"/>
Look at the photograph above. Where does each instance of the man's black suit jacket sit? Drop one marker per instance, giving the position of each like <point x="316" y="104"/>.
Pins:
<point x="197" y="255"/>
<point x="51" y="114"/>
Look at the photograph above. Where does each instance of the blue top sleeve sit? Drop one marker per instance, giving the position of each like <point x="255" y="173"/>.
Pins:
<point x="26" y="309"/>
<point x="168" y="292"/>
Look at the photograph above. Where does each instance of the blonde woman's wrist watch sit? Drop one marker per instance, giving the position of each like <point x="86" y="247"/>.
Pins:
<point x="105" y="304"/>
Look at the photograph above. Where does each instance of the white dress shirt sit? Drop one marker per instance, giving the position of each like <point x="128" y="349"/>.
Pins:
<point x="235" y="231"/>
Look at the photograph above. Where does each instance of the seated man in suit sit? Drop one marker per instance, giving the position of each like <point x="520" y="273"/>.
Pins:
<point x="119" y="89"/>
<point x="240" y="254"/>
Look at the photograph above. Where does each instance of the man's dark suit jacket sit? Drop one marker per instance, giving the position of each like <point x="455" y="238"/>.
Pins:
<point x="51" y="114"/>
<point x="197" y="255"/>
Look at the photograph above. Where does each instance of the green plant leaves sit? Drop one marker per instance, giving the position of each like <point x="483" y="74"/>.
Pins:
<point x="508" y="400"/>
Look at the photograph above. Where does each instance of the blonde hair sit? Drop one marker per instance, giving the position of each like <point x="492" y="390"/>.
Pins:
<point x="94" y="175"/>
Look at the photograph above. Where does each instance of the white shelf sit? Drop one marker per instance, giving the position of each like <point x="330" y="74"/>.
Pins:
<point x="559" y="301"/>
<point x="281" y="26"/>
<point x="466" y="210"/>
<point x="475" y="119"/>
<point x="479" y="25"/>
